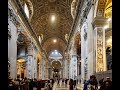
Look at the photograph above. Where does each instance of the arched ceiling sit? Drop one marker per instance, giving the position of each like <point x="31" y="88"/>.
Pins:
<point x="49" y="45"/>
<point x="41" y="23"/>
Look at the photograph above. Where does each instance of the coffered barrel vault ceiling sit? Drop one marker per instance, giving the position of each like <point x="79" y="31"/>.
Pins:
<point x="41" y="22"/>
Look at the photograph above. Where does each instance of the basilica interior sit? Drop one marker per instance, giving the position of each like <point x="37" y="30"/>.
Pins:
<point x="51" y="39"/>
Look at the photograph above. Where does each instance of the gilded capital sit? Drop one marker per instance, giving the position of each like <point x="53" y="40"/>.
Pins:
<point x="99" y="21"/>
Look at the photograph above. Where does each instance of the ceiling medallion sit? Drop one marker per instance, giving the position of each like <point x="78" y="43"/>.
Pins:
<point x="52" y="0"/>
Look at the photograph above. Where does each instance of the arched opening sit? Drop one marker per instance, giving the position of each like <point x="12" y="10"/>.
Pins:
<point x="28" y="9"/>
<point x="55" y="55"/>
<point x="49" y="45"/>
<point x="56" y="68"/>
<point x="55" y="58"/>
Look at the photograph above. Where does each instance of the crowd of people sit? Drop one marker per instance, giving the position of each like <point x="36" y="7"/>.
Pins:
<point x="29" y="84"/>
<point x="34" y="84"/>
<point x="68" y="83"/>
<point x="93" y="84"/>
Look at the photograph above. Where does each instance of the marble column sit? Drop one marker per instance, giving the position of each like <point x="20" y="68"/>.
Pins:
<point x="73" y="62"/>
<point x="43" y="67"/>
<point x="12" y="50"/>
<point x="100" y="54"/>
<point x="29" y="62"/>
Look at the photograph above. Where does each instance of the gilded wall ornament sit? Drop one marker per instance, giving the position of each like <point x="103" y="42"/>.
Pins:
<point x="99" y="51"/>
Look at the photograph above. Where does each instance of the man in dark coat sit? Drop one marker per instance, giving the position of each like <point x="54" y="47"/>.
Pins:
<point x="107" y="85"/>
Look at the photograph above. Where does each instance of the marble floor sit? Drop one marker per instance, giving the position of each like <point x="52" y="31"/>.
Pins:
<point x="61" y="88"/>
<point x="57" y="87"/>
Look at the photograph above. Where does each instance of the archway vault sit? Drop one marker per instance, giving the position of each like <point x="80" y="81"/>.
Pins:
<point x="49" y="45"/>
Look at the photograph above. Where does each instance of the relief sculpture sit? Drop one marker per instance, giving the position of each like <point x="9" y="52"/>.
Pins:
<point x="99" y="51"/>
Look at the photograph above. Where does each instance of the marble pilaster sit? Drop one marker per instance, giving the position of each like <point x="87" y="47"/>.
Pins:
<point x="98" y="24"/>
<point x="30" y="62"/>
<point x="13" y="23"/>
